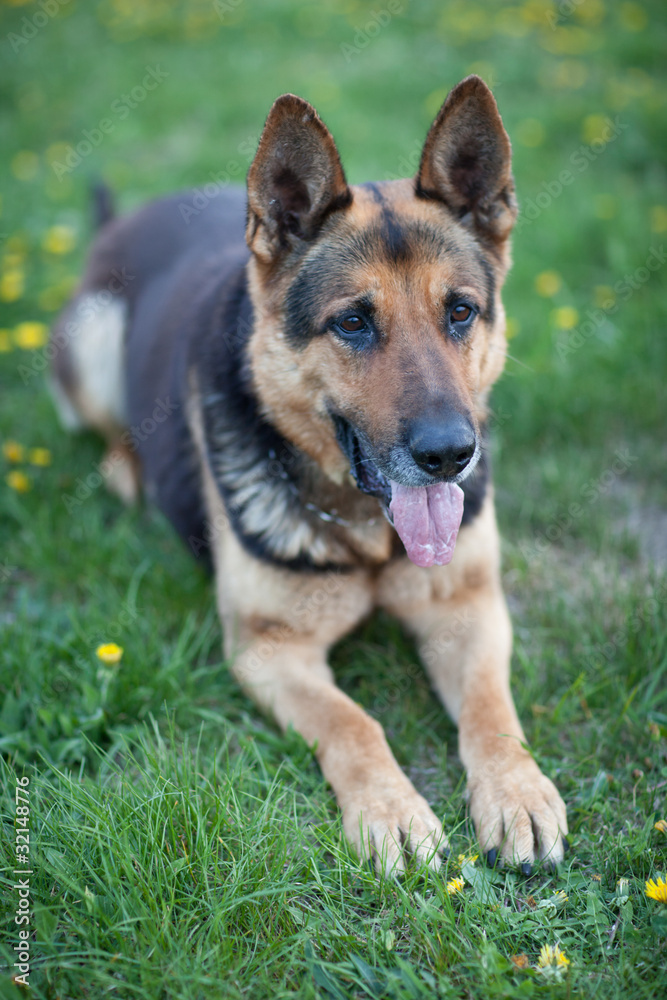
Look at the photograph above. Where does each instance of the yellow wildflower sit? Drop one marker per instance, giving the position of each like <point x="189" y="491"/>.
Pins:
<point x="661" y="826"/>
<point x="512" y="327"/>
<point x="18" y="481"/>
<point x="12" y="284"/>
<point x="597" y="128"/>
<point x="13" y="259"/>
<point x="565" y="318"/>
<point x="605" y="206"/>
<point x="455" y="886"/>
<point x="13" y="451"/>
<point x="530" y="132"/>
<point x="659" y="219"/>
<point x="469" y="859"/>
<point x="551" y="957"/>
<point x="31" y="335"/>
<point x="39" y="456"/>
<point x="657" y="890"/>
<point x="25" y="165"/>
<point x="59" y="239"/>
<point x="548" y="283"/>
<point x="109" y="653"/>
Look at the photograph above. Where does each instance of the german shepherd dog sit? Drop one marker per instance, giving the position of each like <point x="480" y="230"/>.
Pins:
<point x="300" y="383"/>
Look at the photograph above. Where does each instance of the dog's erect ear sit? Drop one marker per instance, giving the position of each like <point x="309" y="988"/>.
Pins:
<point x="295" y="180"/>
<point x="466" y="161"/>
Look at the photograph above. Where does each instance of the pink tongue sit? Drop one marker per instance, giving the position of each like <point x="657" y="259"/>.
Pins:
<point x="427" y="518"/>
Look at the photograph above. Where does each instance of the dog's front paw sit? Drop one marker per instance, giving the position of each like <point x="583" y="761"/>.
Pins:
<point x="518" y="814"/>
<point x="384" y="819"/>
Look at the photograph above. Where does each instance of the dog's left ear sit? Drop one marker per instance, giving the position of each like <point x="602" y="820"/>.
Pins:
<point x="295" y="180"/>
<point x="466" y="161"/>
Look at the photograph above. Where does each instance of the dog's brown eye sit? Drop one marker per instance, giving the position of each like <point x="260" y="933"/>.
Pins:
<point x="352" y="324"/>
<point x="461" y="313"/>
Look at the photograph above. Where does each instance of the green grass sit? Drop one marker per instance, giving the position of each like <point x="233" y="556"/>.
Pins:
<point x="181" y="847"/>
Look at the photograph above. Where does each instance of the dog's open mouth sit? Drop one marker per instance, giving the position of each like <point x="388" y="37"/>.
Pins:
<point x="427" y="518"/>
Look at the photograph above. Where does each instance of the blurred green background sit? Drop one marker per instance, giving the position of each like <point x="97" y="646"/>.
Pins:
<point x="580" y="86"/>
<point x="162" y="95"/>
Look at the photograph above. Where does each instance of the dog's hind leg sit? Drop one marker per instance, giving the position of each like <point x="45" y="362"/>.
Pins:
<point x="88" y="383"/>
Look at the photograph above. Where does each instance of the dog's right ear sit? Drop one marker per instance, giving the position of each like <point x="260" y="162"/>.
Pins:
<point x="295" y="180"/>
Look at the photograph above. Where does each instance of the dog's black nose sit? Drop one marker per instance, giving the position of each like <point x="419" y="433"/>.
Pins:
<point x="442" y="447"/>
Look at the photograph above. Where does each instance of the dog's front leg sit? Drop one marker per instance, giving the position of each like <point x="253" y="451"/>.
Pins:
<point x="278" y="628"/>
<point x="291" y="680"/>
<point x="459" y="616"/>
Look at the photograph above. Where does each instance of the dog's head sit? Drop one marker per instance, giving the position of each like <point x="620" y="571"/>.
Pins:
<point x="379" y="323"/>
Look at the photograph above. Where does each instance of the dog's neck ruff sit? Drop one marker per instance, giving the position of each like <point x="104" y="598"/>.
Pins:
<point x="259" y="473"/>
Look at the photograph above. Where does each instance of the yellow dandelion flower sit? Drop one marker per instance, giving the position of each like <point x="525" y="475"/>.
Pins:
<point x="18" y="243"/>
<point x="659" y="219"/>
<point x="551" y="957"/>
<point x="596" y="878"/>
<point x="657" y="890"/>
<point x="13" y="260"/>
<point x="434" y="100"/>
<point x="530" y="132"/>
<point x="109" y="653"/>
<point x="565" y="318"/>
<point x="548" y="283"/>
<point x="13" y="451"/>
<point x="512" y="327"/>
<point x="59" y="239"/>
<point x="31" y="335"/>
<point x="605" y="206"/>
<point x="597" y="128"/>
<point x="18" y="481"/>
<point x="604" y="296"/>
<point x="5" y="341"/>
<point x="25" y="165"/>
<point x="12" y="284"/>
<point x="633" y="17"/>
<point x="455" y="886"/>
<point x="661" y="826"/>
<point x="469" y="859"/>
<point x="39" y="456"/>
<point x="520" y="961"/>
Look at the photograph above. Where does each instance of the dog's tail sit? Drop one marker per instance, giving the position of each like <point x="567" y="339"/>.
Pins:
<point x="103" y="206"/>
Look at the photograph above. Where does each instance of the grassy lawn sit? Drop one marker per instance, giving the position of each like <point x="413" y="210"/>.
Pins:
<point x="180" y="847"/>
